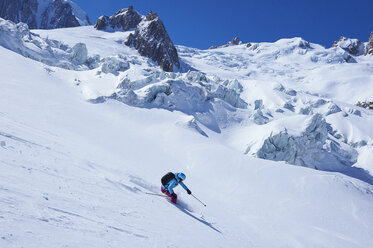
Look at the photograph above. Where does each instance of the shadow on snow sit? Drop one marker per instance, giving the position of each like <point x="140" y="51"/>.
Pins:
<point x="184" y="210"/>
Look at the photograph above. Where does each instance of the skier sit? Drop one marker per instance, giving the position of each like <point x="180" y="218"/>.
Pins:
<point x="170" y="181"/>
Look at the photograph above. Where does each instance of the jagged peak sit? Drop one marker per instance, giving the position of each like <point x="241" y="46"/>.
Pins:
<point x="124" y="19"/>
<point x="150" y="38"/>
<point x="122" y="11"/>
<point x="151" y="16"/>
<point x="235" y="41"/>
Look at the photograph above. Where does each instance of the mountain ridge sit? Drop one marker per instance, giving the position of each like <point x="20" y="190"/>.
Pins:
<point x="44" y="14"/>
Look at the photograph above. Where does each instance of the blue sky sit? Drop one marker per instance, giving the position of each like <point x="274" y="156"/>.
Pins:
<point x="204" y="23"/>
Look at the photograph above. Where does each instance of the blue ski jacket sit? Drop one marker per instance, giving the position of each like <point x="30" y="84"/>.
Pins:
<point x="173" y="183"/>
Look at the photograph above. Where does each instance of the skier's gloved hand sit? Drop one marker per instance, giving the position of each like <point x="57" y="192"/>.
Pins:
<point x="189" y="192"/>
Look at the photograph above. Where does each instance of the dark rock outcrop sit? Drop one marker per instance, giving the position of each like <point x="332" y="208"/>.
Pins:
<point x="304" y="44"/>
<point x="369" y="46"/>
<point x="151" y="40"/>
<point x="56" y="13"/>
<point x="124" y="19"/>
<point x="352" y="46"/>
<point x="59" y="14"/>
<point x="19" y="11"/>
<point x="367" y="105"/>
<point x="235" y="41"/>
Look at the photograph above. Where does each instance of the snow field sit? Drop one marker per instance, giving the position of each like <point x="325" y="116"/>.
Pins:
<point x="75" y="174"/>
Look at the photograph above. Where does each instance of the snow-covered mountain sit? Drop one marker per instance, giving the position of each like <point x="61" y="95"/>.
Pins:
<point x="352" y="46"/>
<point x="268" y="134"/>
<point x="44" y="14"/>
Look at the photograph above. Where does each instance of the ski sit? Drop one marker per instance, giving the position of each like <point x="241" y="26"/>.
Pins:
<point x="156" y="194"/>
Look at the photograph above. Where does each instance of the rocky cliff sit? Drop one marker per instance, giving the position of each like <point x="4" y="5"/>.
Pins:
<point x="151" y="40"/>
<point x="150" y="37"/>
<point x="44" y="14"/>
<point x="369" y="46"/>
<point x="124" y="19"/>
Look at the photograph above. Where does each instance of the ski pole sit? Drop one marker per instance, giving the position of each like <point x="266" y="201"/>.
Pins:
<point x="199" y="200"/>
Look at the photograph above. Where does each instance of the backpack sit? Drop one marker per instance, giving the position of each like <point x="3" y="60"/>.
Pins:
<point x="167" y="178"/>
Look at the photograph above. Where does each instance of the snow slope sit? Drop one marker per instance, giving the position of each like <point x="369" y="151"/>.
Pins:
<point x="98" y="42"/>
<point x="75" y="174"/>
<point x="265" y="83"/>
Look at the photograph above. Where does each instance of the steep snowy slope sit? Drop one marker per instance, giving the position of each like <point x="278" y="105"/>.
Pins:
<point x="75" y="174"/>
<point x="88" y="127"/>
